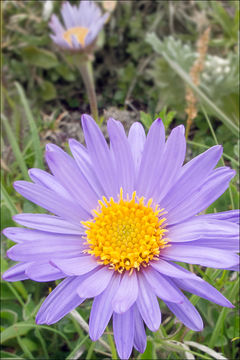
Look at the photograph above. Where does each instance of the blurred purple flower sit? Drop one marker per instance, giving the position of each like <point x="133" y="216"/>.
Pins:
<point x="81" y="25"/>
<point x="124" y="215"/>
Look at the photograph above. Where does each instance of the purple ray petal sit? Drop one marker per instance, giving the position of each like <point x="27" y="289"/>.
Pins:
<point x="231" y="215"/>
<point x="187" y="314"/>
<point x="204" y="196"/>
<point x="100" y="155"/>
<point x="90" y="12"/>
<point x="43" y="272"/>
<point x="123" y="329"/>
<point x="193" y="174"/>
<point x="77" y="265"/>
<point x="49" y="181"/>
<point x="70" y="176"/>
<point x="60" y="42"/>
<point x="122" y="156"/>
<point x="228" y="243"/>
<point x="200" y="229"/>
<point x="45" y="250"/>
<point x="83" y="161"/>
<point x="95" y="29"/>
<point x="16" y="272"/>
<point x="21" y="235"/>
<point x="75" y="43"/>
<point x="96" y="283"/>
<point x="151" y="156"/>
<point x="140" y="339"/>
<point x="216" y="258"/>
<point x="102" y="309"/>
<point x="68" y="15"/>
<point x="234" y="268"/>
<point x="168" y="268"/>
<point x="60" y="301"/>
<point x="161" y="286"/>
<point x="148" y="304"/>
<point x="51" y="201"/>
<point x="126" y="294"/>
<point x="201" y="288"/>
<point x="137" y="139"/>
<point x="48" y="223"/>
<point x="171" y="162"/>
<point x="56" y="26"/>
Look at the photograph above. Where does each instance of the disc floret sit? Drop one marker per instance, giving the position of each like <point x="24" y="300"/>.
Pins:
<point x="126" y="234"/>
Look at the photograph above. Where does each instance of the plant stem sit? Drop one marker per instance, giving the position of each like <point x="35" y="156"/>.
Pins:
<point x="112" y="345"/>
<point x="85" y="69"/>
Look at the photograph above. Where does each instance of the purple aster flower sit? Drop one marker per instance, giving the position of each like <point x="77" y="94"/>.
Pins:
<point x="81" y="25"/>
<point x="123" y="215"/>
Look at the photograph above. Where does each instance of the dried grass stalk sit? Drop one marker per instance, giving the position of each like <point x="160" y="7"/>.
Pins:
<point x="196" y="69"/>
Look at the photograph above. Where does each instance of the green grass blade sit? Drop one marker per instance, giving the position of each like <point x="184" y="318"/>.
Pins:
<point x="42" y="342"/>
<point x="156" y="44"/>
<point x="77" y="347"/>
<point x="222" y="316"/>
<point x="33" y="127"/>
<point x="216" y="142"/>
<point x="25" y="349"/>
<point x="112" y="345"/>
<point x="90" y="351"/>
<point x="15" y="148"/>
<point x="21" y="328"/>
<point x="8" y="201"/>
<point x="208" y="147"/>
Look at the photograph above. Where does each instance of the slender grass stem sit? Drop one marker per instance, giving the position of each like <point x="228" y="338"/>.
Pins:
<point x="8" y="201"/>
<point x="24" y="348"/>
<point x="32" y="125"/>
<point x="43" y="343"/>
<point x="18" y="297"/>
<point x="77" y="347"/>
<point x="112" y="345"/>
<point x="85" y="327"/>
<point x="85" y="69"/>
<point x="222" y="316"/>
<point x="216" y="141"/>
<point x="90" y="351"/>
<point x="15" y="148"/>
<point x="207" y="147"/>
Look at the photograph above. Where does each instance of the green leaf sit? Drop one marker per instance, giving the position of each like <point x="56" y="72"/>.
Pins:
<point x="4" y="264"/>
<point x="221" y="340"/>
<point x="15" y="148"/>
<point x="31" y="345"/>
<point x="39" y="57"/>
<point x="148" y="353"/>
<point x="146" y="119"/>
<point x="6" y="213"/>
<point x="6" y="293"/>
<point x="33" y="127"/>
<point x="18" y="329"/>
<point x="8" y="201"/>
<point x="9" y="315"/>
<point x="8" y="355"/>
<point x="28" y="308"/>
<point x="166" y="117"/>
<point x="48" y="91"/>
<point x="66" y="72"/>
<point x="18" y="285"/>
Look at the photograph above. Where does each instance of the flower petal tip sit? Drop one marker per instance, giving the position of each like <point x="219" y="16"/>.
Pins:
<point x="85" y="118"/>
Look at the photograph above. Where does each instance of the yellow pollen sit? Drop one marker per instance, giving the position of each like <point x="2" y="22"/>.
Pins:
<point x="126" y="234"/>
<point x="79" y="32"/>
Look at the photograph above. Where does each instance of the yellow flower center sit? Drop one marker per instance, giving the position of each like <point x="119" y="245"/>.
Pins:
<point x="126" y="234"/>
<point x="79" y="32"/>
